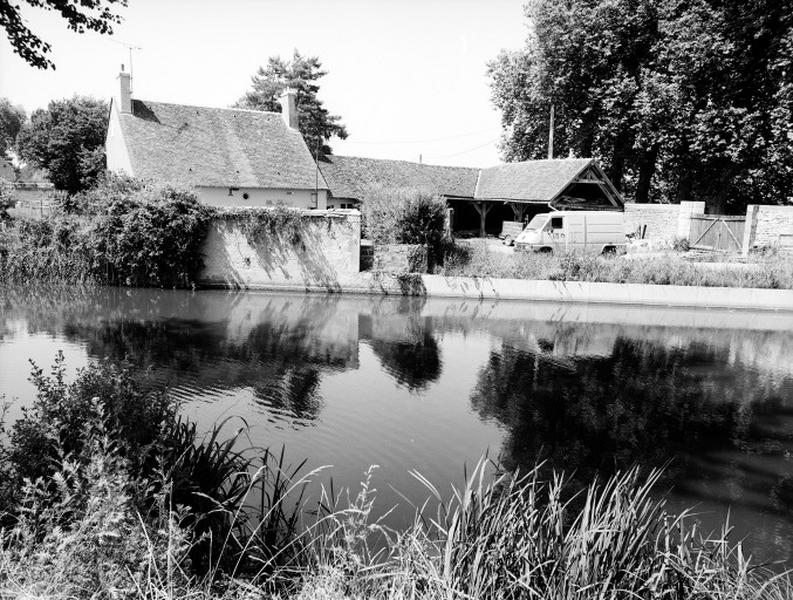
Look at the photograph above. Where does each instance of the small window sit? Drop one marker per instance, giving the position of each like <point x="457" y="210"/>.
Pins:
<point x="557" y="223"/>
<point x="331" y="206"/>
<point x="245" y="196"/>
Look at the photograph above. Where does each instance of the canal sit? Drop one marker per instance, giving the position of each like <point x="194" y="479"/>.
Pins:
<point x="431" y="385"/>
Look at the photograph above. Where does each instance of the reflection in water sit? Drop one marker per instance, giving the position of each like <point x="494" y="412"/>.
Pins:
<point x="430" y="384"/>
<point x="641" y="402"/>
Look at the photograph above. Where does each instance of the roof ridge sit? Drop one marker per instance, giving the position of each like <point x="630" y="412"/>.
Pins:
<point x="249" y="110"/>
<point x="400" y="160"/>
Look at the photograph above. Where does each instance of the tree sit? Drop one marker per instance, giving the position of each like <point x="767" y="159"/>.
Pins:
<point x="681" y="100"/>
<point x="11" y="120"/>
<point x="82" y="16"/>
<point x="316" y="124"/>
<point x="67" y="140"/>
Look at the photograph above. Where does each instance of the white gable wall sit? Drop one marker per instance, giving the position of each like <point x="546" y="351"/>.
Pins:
<point x="115" y="149"/>
<point x="219" y="196"/>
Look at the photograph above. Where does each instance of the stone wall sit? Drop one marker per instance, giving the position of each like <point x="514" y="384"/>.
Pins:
<point x="399" y="258"/>
<point x="325" y="247"/>
<point x="662" y="221"/>
<point x="768" y="226"/>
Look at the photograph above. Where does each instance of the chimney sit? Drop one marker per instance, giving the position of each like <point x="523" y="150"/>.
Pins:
<point x="288" y="101"/>
<point x="126" y="91"/>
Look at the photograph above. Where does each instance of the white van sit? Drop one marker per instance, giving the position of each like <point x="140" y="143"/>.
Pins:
<point x="593" y="232"/>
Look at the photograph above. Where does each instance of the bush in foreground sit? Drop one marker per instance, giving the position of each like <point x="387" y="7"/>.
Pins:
<point x="98" y="526"/>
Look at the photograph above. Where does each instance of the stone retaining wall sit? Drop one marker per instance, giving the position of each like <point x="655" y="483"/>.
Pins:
<point x="324" y="248"/>
<point x="663" y="222"/>
<point x="399" y="258"/>
<point x="768" y="227"/>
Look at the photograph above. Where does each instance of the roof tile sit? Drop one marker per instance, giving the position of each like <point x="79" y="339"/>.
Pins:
<point x="223" y="147"/>
<point x="349" y="176"/>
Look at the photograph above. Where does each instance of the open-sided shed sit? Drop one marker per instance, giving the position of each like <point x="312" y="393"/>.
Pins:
<point x="481" y="198"/>
<point x="533" y="186"/>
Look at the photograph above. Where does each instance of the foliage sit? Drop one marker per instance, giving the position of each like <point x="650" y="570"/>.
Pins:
<point x="109" y="433"/>
<point x="67" y="140"/>
<point x="134" y="414"/>
<point x="468" y="259"/>
<point x="7" y="200"/>
<point x="405" y="216"/>
<point x="121" y="232"/>
<point x="300" y="74"/>
<point x="79" y="531"/>
<point x="681" y="101"/>
<point x="154" y="237"/>
<point x="11" y="120"/>
<point x="258" y="224"/>
<point x="87" y="15"/>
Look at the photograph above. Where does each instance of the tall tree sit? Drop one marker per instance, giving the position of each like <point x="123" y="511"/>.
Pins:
<point x="82" y="16"/>
<point x="11" y="121"/>
<point x="301" y="74"/>
<point x="67" y="140"/>
<point x="680" y="99"/>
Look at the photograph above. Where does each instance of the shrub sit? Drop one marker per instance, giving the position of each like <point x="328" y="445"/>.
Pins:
<point x="122" y="232"/>
<point x="152" y="238"/>
<point x="7" y="200"/>
<point x="405" y="216"/>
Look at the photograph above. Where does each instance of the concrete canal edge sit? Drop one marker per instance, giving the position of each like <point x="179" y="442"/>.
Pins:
<point x="488" y="288"/>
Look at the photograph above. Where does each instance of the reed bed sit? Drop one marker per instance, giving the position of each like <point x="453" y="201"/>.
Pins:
<point x="502" y="537"/>
<point x="108" y="493"/>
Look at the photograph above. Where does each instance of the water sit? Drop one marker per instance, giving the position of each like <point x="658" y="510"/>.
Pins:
<point x="432" y="385"/>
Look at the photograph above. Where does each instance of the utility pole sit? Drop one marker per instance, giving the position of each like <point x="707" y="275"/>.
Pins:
<point x="550" y="136"/>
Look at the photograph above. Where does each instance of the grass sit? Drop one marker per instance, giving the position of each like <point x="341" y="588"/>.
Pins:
<point x="87" y="513"/>
<point x="471" y="259"/>
<point x="500" y="536"/>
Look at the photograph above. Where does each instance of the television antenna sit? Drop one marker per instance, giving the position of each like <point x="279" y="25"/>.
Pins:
<point x="129" y="47"/>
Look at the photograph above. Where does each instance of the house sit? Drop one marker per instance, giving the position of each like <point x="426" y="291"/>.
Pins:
<point x="481" y="198"/>
<point x="230" y="157"/>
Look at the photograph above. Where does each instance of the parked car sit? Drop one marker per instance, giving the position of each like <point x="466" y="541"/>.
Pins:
<point x="509" y="231"/>
<point x="594" y="232"/>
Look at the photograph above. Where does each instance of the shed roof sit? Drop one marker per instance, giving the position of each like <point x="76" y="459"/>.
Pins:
<point x="223" y="147"/>
<point x="349" y="176"/>
<point x="529" y="181"/>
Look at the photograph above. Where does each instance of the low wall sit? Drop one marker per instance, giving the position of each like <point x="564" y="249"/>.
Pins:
<point x="399" y="258"/>
<point x="768" y="226"/>
<point x="665" y="222"/>
<point x="325" y="247"/>
<point x="572" y="292"/>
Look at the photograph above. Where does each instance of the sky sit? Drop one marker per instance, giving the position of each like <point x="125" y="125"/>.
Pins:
<point x="407" y="77"/>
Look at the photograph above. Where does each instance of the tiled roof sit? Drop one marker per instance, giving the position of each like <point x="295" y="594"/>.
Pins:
<point x="349" y="176"/>
<point x="532" y="180"/>
<point x="197" y="146"/>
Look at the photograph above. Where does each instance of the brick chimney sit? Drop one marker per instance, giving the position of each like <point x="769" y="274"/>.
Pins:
<point x="288" y="101"/>
<point x="125" y="99"/>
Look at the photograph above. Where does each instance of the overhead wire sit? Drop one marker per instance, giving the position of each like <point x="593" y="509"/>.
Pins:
<point x="426" y="141"/>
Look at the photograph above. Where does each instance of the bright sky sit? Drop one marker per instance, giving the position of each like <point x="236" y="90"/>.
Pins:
<point x="407" y="77"/>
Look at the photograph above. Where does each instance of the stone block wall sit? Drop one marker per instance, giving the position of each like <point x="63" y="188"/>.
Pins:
<point x="768" y="226"/>
<point x="400" y="258"/>
<point x="325" y="247"/>
<point x="662" y="221"/>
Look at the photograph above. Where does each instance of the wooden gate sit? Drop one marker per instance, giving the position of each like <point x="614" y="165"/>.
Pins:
<point x="717" y="232"/>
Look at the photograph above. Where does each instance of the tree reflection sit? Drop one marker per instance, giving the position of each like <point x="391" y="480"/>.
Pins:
<point x="414" y="364"/>
<point x="644" y="403"/>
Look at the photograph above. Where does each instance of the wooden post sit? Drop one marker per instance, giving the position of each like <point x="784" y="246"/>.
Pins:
<point x="519" y="210"/>
<point x="482" y="208"/>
